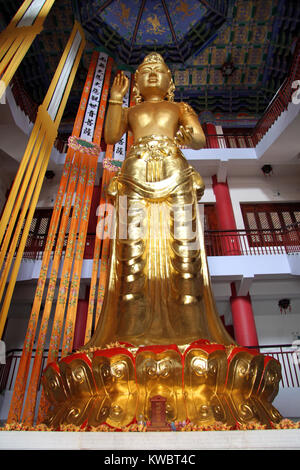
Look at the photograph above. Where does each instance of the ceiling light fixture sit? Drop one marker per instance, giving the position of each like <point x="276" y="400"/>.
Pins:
<point x="284" y="305"/>
<point x="267" y="170"/>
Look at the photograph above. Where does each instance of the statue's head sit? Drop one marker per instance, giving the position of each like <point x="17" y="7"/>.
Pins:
<point x="153" y="74"/>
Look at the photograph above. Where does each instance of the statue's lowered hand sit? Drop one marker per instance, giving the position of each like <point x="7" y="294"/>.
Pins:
<point x="184" y="136"/>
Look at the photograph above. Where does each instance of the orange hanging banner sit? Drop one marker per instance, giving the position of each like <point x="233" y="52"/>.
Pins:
<point x="88" y="144"/>
<point x="21" y="379"/>
<point x="68" y="262"/>
<point x="103" y="102"/>
<point x="88" y="148"/>
<point x="78" y="259"/>
<point x="58" y="321"/>
<point x="97" y="140"/>
<point x="28" y="414"/>
<point x="104" y="231"/>
<point x="71" y="168"/>
<point x="97" y="256"/>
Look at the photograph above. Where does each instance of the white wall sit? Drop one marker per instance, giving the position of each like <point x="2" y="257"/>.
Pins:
<point x="256" y="189"/>
<point x="208" y="196"/>
<point x="15" y="333"/>
<point x="16" y="326"/>
<point x="274" y="327"/>
<point x="16" y="329"/>
<point x="48" y="192"/>
<point x="277" y="329"/>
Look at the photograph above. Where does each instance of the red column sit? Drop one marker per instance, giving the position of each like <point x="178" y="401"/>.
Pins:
<point x="226" y="221"/>
<point x="80" y="324"/>
<point x="224" y="208"/>
<point x="212" y="137"/>
<point x="243" y="319"/>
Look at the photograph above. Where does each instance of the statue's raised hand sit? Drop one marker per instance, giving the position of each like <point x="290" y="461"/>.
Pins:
<point x="119" y="87"/>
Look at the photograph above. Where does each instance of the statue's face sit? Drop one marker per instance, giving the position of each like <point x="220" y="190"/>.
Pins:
<point x="153" y="78"/>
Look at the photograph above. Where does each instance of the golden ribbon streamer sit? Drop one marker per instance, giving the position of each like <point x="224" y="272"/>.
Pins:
<point x="16" y="40"/>
<point x="37" y="153"/>
<point x="32" y="195"/>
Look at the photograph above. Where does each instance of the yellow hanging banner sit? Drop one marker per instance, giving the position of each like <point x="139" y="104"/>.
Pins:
<point x="17" y="38"/>
<point x="28" y="182"/>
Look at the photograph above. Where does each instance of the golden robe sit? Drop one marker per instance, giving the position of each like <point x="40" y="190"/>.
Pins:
<point x="158" y="289"/>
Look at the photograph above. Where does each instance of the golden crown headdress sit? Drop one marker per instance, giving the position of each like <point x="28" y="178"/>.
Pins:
<point x="154" y="57"/>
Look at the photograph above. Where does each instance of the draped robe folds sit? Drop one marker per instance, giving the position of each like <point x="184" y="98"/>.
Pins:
<point x="158" y="286"/>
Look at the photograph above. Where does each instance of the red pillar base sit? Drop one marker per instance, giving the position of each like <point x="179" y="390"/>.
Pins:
<point x="243" y="319"/>
<point x="81" y="318"/>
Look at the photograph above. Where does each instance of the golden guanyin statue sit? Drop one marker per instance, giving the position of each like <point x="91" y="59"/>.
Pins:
<point x="159" y="332"/>
<point x="155" y="291"/>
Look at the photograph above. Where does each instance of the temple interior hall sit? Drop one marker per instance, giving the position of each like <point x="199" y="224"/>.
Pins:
<point x="237" y="64"/>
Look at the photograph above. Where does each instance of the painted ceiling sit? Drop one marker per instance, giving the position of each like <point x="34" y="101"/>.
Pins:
<point x="195" y="37"/>
<point x="152" y="20"/>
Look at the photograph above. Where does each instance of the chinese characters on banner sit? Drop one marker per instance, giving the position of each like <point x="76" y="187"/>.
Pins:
<point x="120" y="147"/>
<point x="90" y="119"/>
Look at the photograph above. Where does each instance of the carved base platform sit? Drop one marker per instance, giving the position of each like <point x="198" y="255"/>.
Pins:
<point x="202" y="383"/>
